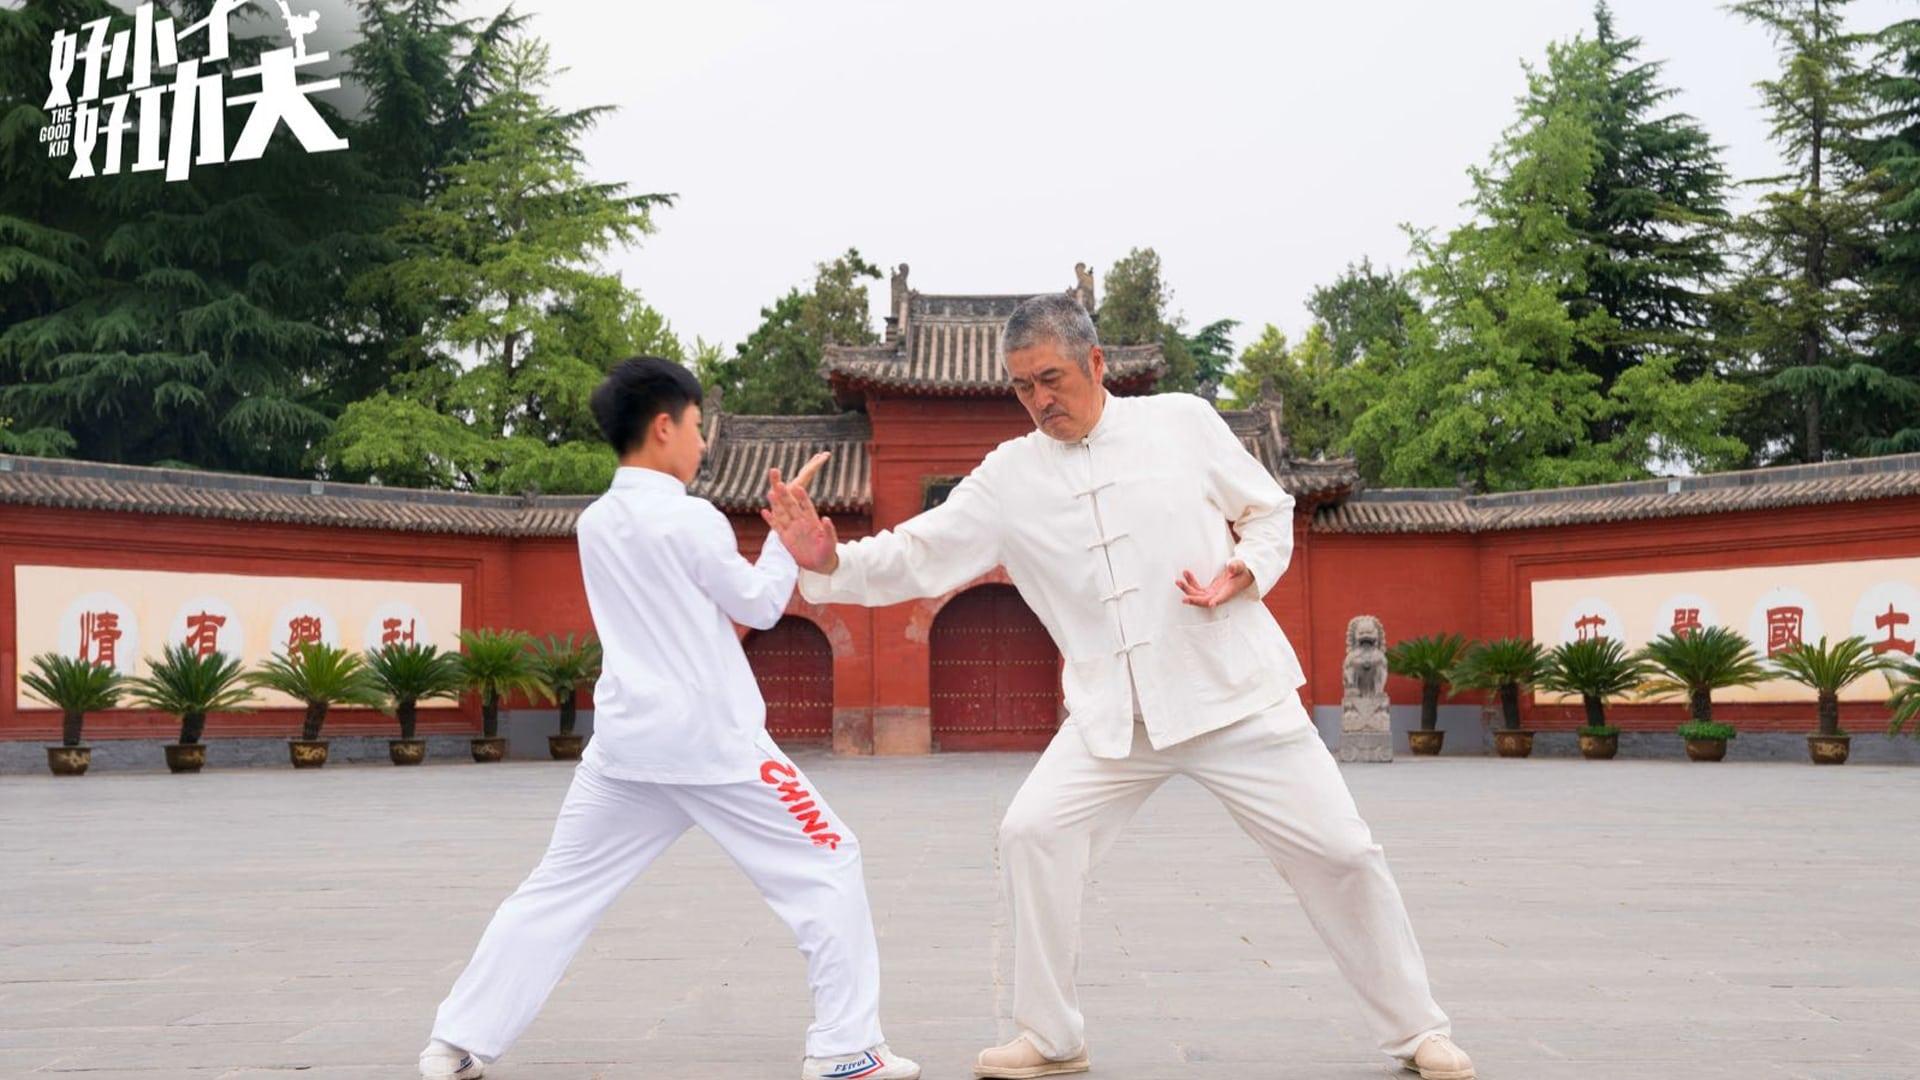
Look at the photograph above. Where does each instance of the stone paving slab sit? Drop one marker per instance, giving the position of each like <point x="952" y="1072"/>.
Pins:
<point x="1618" y="920"/>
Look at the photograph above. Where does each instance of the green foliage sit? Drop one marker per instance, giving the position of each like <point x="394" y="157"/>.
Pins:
<point x="1136" y="309"/>
<point x="1802" y="304"/>
<point x="1503" y="665"/>
<point x="1827" y="670"/>
<point x="1698" y="663"/>
<point x="190" y="685"/>
<point x="1903" y="703"/>
<point x="777" y="369"/>
<point x="319" y="676"/>
<point x="1363" y="314"/>
<point x="1496" y="385"/>
<point x="1303" y="377"/>
<point x="1598" y="667"/>
<point x="406" y="673"/>
<point x="1595" y="669"/>
<point x="1889" y="150"/>
<point x="1430" y="659"/>
<point x="75" y="687"/>
<point x="494" y="664"/>
<point x="520" y="322"/>
<point x="563" y="666"/>
<point x="1706" y="729"/>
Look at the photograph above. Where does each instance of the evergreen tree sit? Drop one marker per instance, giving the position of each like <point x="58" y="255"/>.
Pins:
<point x="1890" y="150"/>
<point x="776" y="371"/>
<point x="1490" y="391"/>
<point x="189" y="322"/>
<point x="1655" y="217"/>
<point x="1362" y="313"/>
<point x="1136" y="310"/>
<point x="1804" y="315"/>
<point x="506" y="250"/>
<point x="1300" y="376"/>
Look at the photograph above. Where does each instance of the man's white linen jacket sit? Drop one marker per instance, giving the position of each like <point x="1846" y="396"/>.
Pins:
<point x="1094" y="534"/>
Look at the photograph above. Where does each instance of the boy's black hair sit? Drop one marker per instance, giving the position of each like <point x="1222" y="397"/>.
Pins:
<point x="636" y="391"/>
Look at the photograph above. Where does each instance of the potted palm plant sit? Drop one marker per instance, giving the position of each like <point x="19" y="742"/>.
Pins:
<point x="1504" y="666"/>
<point x="493" y="664"/>
<point x="1596" y="669"/>
<point x="562" y="668"/>
<point x="76" y="688"/>
<point x="319" y="676"/>
<point x="1903" y="704"/>
<point x="1696" y="664"/>
<point x="1827" y="670"/>
<point x="190" y="685"/>
<point x="1429" y="659"/>
<point x="406" y="673"/>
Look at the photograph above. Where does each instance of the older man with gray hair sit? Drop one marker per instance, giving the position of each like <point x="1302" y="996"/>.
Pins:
<point x="1142" y="534"/>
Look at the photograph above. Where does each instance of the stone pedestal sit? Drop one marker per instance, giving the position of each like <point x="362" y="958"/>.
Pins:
<point x="1366" y="728"/>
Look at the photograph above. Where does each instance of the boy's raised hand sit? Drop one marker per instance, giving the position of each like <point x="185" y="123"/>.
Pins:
<point x="808" y="537"/>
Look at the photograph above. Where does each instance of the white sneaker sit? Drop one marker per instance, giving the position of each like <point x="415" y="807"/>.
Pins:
<point x="879" y="1063"/>
<point x="440" y="1061"/>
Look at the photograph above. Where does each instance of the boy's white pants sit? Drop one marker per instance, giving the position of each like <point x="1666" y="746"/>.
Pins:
<point x="779" y="830"/>
<point x="1281" y="785"/>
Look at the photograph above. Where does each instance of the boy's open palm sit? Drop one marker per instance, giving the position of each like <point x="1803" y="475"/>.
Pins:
<point x="809" y="538"/>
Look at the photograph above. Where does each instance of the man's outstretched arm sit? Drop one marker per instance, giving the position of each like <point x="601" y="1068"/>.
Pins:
<point x="927" y="555"/>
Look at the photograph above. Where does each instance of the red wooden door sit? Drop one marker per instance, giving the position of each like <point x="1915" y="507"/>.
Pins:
<point x="996" y="674"/>
<point x="794" y="666"/>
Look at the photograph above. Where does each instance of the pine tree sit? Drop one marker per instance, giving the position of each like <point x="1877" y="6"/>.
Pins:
<point x="191" y="322"/>
<point x="1655" y="216"/>
<point x="1362" y="313"/>
<point x="505" y="249"/>
<point x="1804" y="315"/>
<point x="1890" y="149"/>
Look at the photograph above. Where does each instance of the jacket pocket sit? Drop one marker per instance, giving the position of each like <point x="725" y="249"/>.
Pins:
<point x="1219" y="665"/>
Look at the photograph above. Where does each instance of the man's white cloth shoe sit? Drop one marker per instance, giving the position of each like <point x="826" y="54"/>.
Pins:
<point x="1021" y="1060"/>
<point x="879" y="1063"/>
<point x="442" y="1062"/>
<point x="1438" y="1059"/>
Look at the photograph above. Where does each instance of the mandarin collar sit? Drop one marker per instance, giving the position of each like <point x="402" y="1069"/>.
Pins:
<point x="1103" y="427"/>
<point x="640" y="478"/>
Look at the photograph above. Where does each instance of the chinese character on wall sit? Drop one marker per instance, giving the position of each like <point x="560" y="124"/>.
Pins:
<point x="390" y="631"/>
<point x="302" y="630"/>
<point x="1589" y="626"/>
<point x="99" y="632"/>
<point x="203" y="632"/>
<point x="1685" y="621"/>
<point x="1783" y="628"/>
<point x="1889" y="621"/>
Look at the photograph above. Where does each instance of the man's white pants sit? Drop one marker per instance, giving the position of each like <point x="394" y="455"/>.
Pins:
<point x="802" y="857"/>
<point x="1281" y="785"/>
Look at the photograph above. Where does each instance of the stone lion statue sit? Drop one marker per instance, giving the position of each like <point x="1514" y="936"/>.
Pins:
<point x="1365" y="670"/>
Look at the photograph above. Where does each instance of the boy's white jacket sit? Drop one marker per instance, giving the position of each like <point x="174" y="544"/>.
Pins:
<point x="1094" y="534"/>
<point x="676" y="702"/>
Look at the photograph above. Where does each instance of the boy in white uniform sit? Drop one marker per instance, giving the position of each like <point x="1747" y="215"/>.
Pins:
<point x="679" y="741"/>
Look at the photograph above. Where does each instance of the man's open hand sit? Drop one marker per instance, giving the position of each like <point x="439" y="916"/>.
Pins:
<point x="809" y="538"/>
<point x="1225" y="585"/>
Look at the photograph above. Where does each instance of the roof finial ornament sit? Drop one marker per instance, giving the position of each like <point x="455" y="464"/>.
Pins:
<point x="1083" y="286"/>
<point x="900" y="290"/>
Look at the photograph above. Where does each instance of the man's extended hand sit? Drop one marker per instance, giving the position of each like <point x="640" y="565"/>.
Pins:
<point x="809" y="538"/>
<point x="1225" y="586"/>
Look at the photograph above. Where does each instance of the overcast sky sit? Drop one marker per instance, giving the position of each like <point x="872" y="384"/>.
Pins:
<point x="1259" y="147"/>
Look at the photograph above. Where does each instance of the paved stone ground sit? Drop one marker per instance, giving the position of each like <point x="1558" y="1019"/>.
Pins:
<point x="1616" y="920"/>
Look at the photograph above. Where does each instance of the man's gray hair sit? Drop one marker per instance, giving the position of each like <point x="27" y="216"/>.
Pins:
<point x="1051" y="317"/>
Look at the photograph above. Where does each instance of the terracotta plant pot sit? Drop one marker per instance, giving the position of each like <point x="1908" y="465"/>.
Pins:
<point x="486" y="749"/>
<point x="185" y="757"/>
<point x="1599" y="747"/>
<point x="566" y="747"/>
<point x="407" y="751"/>
<point x="1823" y="749"/>
<point x="73" y="760"/>
<point x="1512" y="743"/>
<point x="1425" y="743"/>
<point x="307" y="755"/>
<point x="1706" y="749"/>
